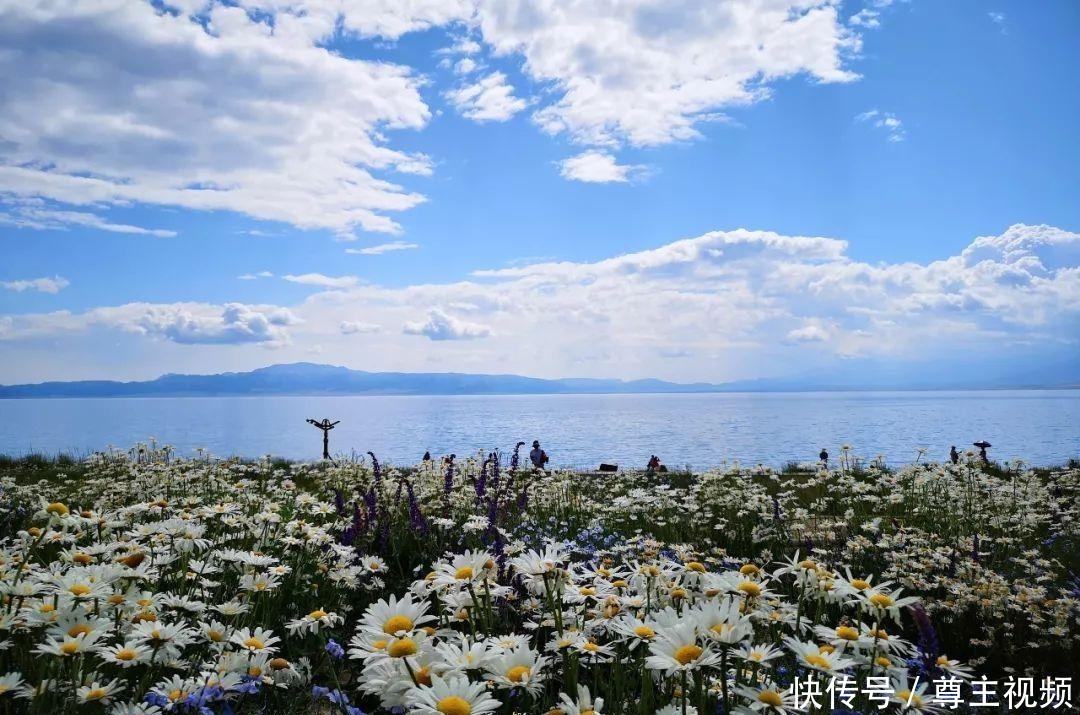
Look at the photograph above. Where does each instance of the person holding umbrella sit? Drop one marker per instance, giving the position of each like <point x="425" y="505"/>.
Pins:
<point x="982" y="445"/>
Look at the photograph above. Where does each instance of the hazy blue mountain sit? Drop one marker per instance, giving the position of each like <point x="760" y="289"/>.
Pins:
<point x="313" y="379"/>
<point x="308" y="379"/>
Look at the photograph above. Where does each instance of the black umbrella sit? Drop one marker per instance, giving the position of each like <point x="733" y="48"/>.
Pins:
<point x="983" y="444"/>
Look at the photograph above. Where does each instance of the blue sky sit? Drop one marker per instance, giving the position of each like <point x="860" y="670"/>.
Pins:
<point x="477" y="186"/>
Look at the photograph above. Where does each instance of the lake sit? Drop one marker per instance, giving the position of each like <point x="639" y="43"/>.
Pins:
<point x="1040" y="426"/>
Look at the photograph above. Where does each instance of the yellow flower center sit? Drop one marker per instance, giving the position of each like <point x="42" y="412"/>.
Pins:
<point x="79" y="630"/>
<point x="69" y="648"/>
<point x="58" y="508"/>
<point x="317" y="614"/>
<point x="591" y="647"/>
<point x="175" y="695"/>
<point x="97" y="694"/>
<point x="402" y="648"/>
<point x="678" y="593"/>
<point x="378" y="645"/>
<point x="750" y="588"/>
<point x="254" y="643"/>
<point x="847" y="633"/>
<point x="695" y="566"/>
<point x="883" y="661"/>
<point x="770" y="697"/>
<point x="79" y="589"/>
<point x="126" y="654"/>
<point x="818" y="660"/>
<point x="464" y="573"/>
<point x="454" y="705"/>
<point x="47" y="608"/>
<point x="255" y="671"/>
<point x="644" y="632"/>
<point x="881" y="600"/>
<point x="908" y="696"/>
<point x="619" y="583"/>
<point x="860" y="584"/>
<point x="397" y="623"/>
<point x="116" y="599"/>
<point x="826" y="648"/>
<point x="748" y="569"/>
<point x="517" y="674"/>
<point x="278" y="664"/>
<point x="807" y="564"/>
<point x="942" y="660"/>
<point x="688" y="653"/>
<point x="423" y="676"/>
<point x="215" y="635"/>
<point x="587" y="591"/>
<point x="81" y="558"/>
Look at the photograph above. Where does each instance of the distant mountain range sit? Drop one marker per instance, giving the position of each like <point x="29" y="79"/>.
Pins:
<point x="313" y="379"/>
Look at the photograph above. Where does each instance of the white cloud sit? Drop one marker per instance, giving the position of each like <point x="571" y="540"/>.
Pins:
<point x="598" y="167"/>
<point x="729" y="302"/>
<point x="490" y="99"/>
<point x="33" y="214"/>
<point x="998" y="18"/>
<point x="42" y="285"/>
<point x="886" y="121"/>
<point x="383" y="248"/>
<point x="465" y="65"/>
<point x="114" y="101"/>
<point x="182" y="323"/>
<point x="350" y="327"/>
<point x="102" y="95"/>
<point x="442" y="326"/>
<point x="255" y="276"/>
<point x="810" y="333"/>
<point x="723" y="305"/>
<point x="648" y="72"/>
<point x="867" y="17"/>
<point x="318" y="279"/>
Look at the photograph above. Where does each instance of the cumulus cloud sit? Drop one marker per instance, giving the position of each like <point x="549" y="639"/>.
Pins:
<point x="598" y="167"/>
<point x="648" y="72"/>
<point x="723" y="305"/>
<point x="442" y="326"/>
<point x="101" y="96"/>
<point x="318" y="279"/>
<point x="350" y="327"/>
<point x="886" y="121"/>
<point x="491" y="99"/>
<point x="41" y="285"/>
<point x="182" y="323"/>
<point x="101" y="99"/>
<point x="383" y="248"/>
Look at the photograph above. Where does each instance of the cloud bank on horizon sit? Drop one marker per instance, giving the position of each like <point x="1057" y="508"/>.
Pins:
<point x="176" y="121"/>
<point x="732" y="299"/>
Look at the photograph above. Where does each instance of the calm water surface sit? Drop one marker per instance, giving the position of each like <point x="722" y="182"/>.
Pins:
<point x="1042" y="427"/>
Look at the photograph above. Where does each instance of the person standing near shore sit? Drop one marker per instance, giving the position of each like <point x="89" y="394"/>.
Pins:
<point x="824" y="457"/>
<point x="954" y="456"/>
<point x="537" y="456"/>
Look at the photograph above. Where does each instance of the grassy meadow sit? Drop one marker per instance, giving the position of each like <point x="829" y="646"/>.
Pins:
<point x="138" y="582"/>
